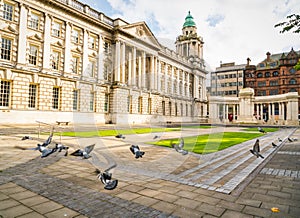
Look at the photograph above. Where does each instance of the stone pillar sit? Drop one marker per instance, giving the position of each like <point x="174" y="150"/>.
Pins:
<point x="261" y="111"/>
<point x="152" y="73"/>
<point x="233" y="111"/>
<point x="158" y="76"/>
<point x="172" y="85"/>
<point x="166" y="78"/>
<point x="85" y="59"/>
<point x="100" y="59"/>
<point x="47" y="41"/>
<point x="140" y="71"/>
<point x="246" y="98"/>
<point x="143" y="69"/>
<point x="117" y="62"/>
<point x="155" y="74"/>
<point x="68" y="57"/>
<point x="134" y="66"/>
<point x="129" y="82"/>
<point x="183" y="83"/>
<point x="188" y="85"/>
<point x="178" y="82"/>
<point x="22" y="35"/>
<point x="280" y="117"/>
<point x="196" y="86"/>
<point x="123" y="48"/>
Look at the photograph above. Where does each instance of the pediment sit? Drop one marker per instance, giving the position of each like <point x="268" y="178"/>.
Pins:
<point x="35" y="37"/>
<point x="58" y="44"/>
<point x="142" y="32"/>
<point x="9" y="28"/>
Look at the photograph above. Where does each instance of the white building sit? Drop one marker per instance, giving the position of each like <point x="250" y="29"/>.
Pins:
<point x="61" y="60"/>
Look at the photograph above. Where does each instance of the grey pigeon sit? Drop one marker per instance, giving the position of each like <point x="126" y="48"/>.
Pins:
<point x="43" y="149"/>
<point x="105" y="178"/>
<point x="291" y="140"/>
<point x="85" y="153"/>
<point x="60" y="147"/>
<point x="261" y="130"/>
<point x="27" y="138"/>
<point x="179" y="147"/>
<point x="256" y="149"/>
<point x="49" y="139"/>
<point x="156" y="137"/>
<point x="279" y="139"/>
<point x="136" y="151"/>
<point x="120" y="136"/>
<point x="274" y="145"/>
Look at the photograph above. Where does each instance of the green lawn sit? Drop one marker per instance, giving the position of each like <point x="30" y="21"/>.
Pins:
<point x="209" y="143"/>
<point x="113" y="132"/>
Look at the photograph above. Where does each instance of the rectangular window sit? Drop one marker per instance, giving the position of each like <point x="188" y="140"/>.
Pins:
<point x="106" y="48"/>
<point x="34" y="21"/>
<point x="274" y="83"/>
<point x="261" y="83"/>
<point x="33" y="54"/>
<point x="55" y="97"/>
<point x="91" y="68"/>
<point x="186" y="110"/>
<point x="6" y="49"/>
<point x="274" y="92"/>
<point x="56" y="29"/>
<point x="170" y="108"/>
<point x="75" y="64"/>
<point x="8" y="10"/>
<point x="93" y="42"/>
<point x="5" y="94"/>
<point x="75" y="36"/>
<point x="129" y="104"/>
<point x="55" y="60"/>
<point x="140" y="104"/>
<point x="149" y="105"/>
<point x="32" y="96"/>
<point x="106" y="103"/>
<point x="163" y="104"/>
<point x="92" y="101"/>
<point x="75" y="100"/>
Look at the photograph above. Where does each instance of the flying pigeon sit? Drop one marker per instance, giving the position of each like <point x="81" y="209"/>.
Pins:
<point x="179" y="147"/>
<point x="85" y="153"/>
<point x="120" y="136"/>
<point x="105" y="178"/>
<point x="256" y="149"/>
<point x="49" y="139"/>
<point x="279" y="139"/>
<point x="136" y="151"/>
<point x="60" y="147"/>
<point x="274" y="145"/>
<point x="43" y="149"/>
<point x="261" y="130"/>
<point x="291" y="140"/>
<point x="27" y="137"/>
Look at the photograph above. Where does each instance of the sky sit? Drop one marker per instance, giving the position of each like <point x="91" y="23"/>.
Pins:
<point x="232" y="30"/>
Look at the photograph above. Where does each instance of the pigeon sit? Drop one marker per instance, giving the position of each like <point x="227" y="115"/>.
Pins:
<point x="85" y="153"/>
<point x="274" y="145"/>
<point x="256" y="149"/>
<point x="60" y="147"/>
<point x="279" y="139"/>
<point x="43" y="149"/>
<point x="136" y="151"/>
<point x="49" y="139"/>
<point x="179" y="147"/>
<point x="120" y="136"/>
<point x="27" y="137"/>
<point x="291" y="140"/>
<point x="261" y="130"/>
<point x="105" y="178"/>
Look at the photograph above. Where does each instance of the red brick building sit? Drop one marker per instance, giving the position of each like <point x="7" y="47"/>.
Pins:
<point x="274" y="75"/>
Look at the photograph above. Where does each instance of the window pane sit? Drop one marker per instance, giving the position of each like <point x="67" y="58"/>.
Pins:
<point x="33" y="53"/>
<point x="56" y="29"/>
<point x="55" y="98"/>
<point x="8" y="11"/>
<point x="75" y="100"/>
<point x="4" y="93"/>
<point x="32" y="96"/>
<point x="5" y="49"/>
<point x="34" y="21"/>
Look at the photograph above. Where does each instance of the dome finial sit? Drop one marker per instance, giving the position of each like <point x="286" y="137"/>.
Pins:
<point x="189" y="21"/>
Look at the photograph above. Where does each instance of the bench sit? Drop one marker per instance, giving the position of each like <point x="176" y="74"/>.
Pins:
<point x="63" y="122"/>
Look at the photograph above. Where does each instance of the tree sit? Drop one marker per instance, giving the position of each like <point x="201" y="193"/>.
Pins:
<point x="293" y="24"/>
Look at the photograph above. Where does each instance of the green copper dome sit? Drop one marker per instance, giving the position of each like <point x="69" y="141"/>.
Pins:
<point x="189" y="21"/>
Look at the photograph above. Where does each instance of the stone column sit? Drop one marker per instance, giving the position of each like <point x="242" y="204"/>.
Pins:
<point x="140" y="71"/>
<point x="117" y="62"/>
<point x="123" y="48"/>
<point x="183" y="81"/>
<point x="155" y="74"/>
<point x="246" y="98"/>
<point x="85" y="59"/>
<point x="134" y="66"/>
<point x="188" y="85"/>
<point x="280" y="111"/>
<point x="172" y="85"/>
<point x="233" y="112"/>
<point x="68" y="57"/>
<point x="196" y="86"/>
<point x="22" y="35"/>
<point x="143" y="69"/>
<point x="178" y="82"/>
<point x="152" y="73"/>
<point x="47" y="41"/>
<point x="158" y="76"/>
<point x="129" y="82"/>
<point x="166" y="78"/>
<point x="261" y="111"/>
<point x="100" y="59"/>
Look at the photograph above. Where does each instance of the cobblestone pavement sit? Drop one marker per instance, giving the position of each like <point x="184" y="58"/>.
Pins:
<point x="164" y="183"/>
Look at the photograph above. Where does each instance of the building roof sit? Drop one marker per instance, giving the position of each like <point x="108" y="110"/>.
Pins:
<point x="230" y="68"/>
<point x="189" y="21"/>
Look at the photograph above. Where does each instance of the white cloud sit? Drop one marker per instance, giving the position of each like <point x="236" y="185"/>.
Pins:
<point x="243" y="28"/>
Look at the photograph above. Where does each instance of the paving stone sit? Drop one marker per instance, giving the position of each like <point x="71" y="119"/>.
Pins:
<point x="46" y="207"/>
<point x="231" y="206"/>
<point x="257" y="211"/>
<point x="166" y="197"/>
<point x="144" y="200"/>
<point x="280" y="194"/>
<point x="186" y="212"/>
<point x="31" y="215"/>
<point x="128" y="195"/>
<point x="15" y="211"/>
<point x="250" y="202"/>
<point x="187" y="203"/>
<point x="62" y="212"/>
<point x="211" y="209"/>
<point x="235" y="214"/>
<point x="7" y="203"/>
<point x="22" y="195"/>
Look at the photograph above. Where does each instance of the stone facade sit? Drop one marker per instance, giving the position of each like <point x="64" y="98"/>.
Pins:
<point x="62" y="60"/>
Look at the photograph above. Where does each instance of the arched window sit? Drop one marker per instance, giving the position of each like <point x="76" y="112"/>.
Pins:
<point x="293" y="82"/>
<point x="267" y="74"/>
<point x="292" y="70"/>
<point x="293" y="90"/>
<point x="259" y="75"/>
<point x="275" y="73"/>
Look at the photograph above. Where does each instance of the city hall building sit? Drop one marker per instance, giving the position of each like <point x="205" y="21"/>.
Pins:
<point x="62" y="60"/>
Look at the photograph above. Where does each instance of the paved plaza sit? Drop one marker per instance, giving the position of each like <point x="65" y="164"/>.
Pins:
<point x="230" y="183"/>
